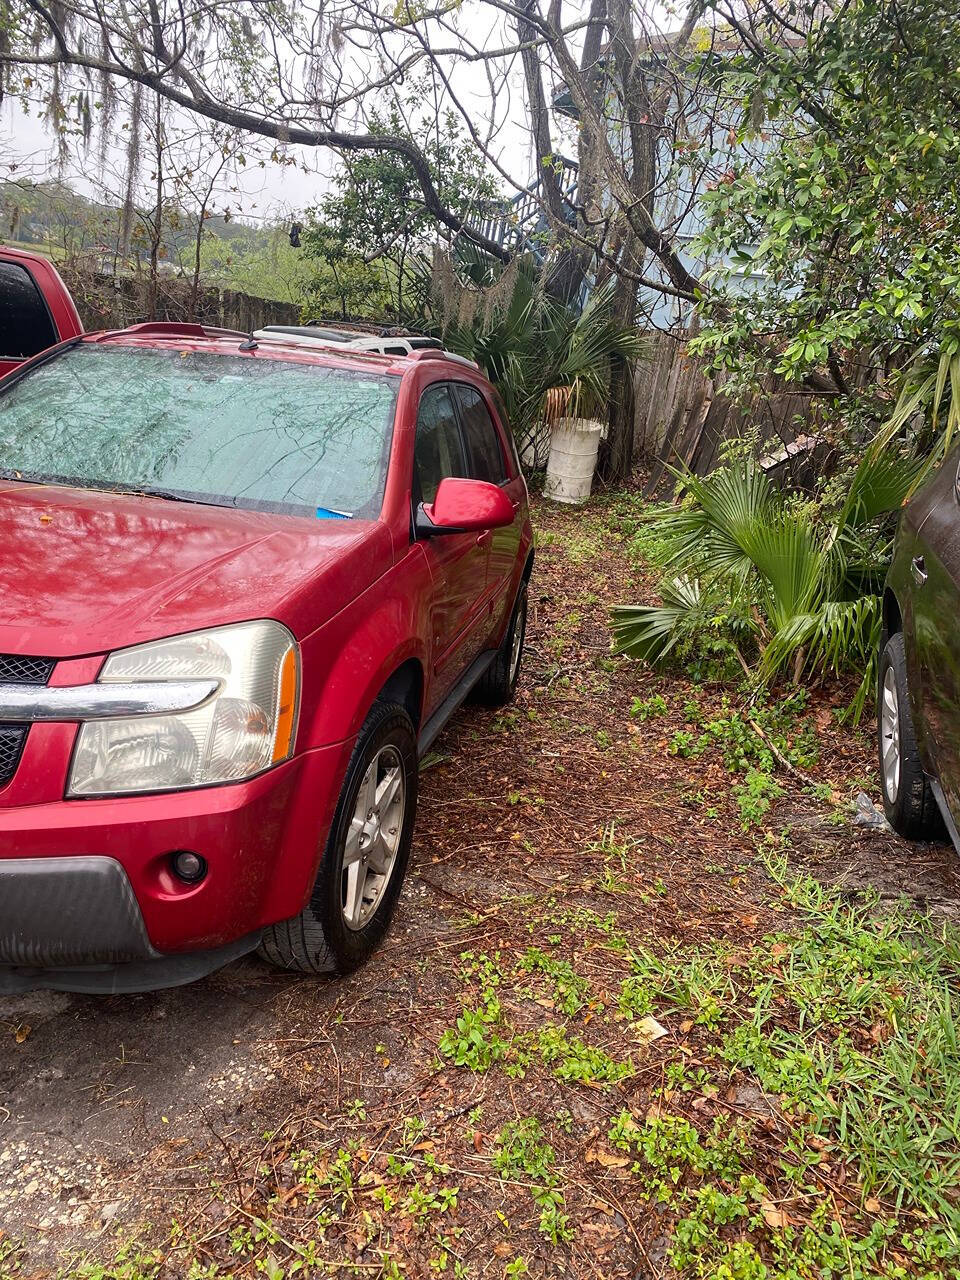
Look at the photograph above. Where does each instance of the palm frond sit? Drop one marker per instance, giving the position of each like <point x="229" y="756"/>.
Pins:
<point x="649" y="632"/>
<point x="810" y="591"/>
<point x="714" y="535"/>
<point x="882" y="482"/>
<point x="928" y="379"/>
<point x="838" y="635"/>
<point x="791" y="563"/>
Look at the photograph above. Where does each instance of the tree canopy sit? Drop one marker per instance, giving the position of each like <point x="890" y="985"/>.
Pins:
<point x="851" y="210"/>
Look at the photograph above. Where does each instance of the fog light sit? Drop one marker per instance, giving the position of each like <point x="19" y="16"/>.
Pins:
<point x="189" y="867"/>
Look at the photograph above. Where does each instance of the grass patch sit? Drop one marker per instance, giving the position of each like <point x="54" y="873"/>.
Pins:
<point x="844" y="1027"/>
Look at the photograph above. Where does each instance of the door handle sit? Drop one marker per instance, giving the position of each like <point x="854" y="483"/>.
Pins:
<point x="919" y="571"/>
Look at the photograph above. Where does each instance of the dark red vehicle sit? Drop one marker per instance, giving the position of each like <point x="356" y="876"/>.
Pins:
<point x="242" y="586"/>
<point x="36" y="310"/>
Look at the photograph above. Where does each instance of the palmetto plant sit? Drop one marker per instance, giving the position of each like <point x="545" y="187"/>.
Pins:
<point x="931" y="381"/>
<point x="806" y="582"/>
<point x="529" y="345"/>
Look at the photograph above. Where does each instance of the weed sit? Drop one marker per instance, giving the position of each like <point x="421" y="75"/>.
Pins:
<point x="473" y="1042"/>
<point x="576" y="1062"/>
<point x="523" y="1155"/>
<point x="422" y="1202"/>
<point x="518" y="1267"/>
<point x="649" y="708"/>
<point x="754" y="795"/>
<point x="569" y="990"/>
<point x="413" y="1130"/>
<point x="521" y="1151"/>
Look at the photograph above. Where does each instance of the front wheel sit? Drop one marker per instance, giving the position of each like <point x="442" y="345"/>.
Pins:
<point x="365" y="859"/>
<point x="908" y="799"/>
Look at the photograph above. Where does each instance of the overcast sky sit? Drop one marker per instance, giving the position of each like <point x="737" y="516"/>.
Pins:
<point x="271" y="193"/>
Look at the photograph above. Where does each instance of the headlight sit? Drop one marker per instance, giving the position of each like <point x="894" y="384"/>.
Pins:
<point x="249" y="724"/>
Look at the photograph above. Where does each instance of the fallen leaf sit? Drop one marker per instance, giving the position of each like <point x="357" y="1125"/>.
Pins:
<point x="872" y="1205"/>
<point x="648" y="1029"/>
<point x="597" y="1155"/>
<point x="773" y="1216"/>
<point x="601" y="1207"/>
<point x="22" y="1032"/>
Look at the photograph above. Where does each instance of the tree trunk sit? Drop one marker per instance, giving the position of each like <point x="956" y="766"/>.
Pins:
<point x="195" y="282"/>
<point x="616" y="456"/>
<point x="157" y="228"/>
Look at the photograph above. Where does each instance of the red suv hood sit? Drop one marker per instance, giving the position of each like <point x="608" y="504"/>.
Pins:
<point x="83" y="571"/>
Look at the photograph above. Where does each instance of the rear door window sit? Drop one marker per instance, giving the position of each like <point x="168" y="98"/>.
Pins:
<point x="25" y="324"/>
<point x="484" y="454"/>
<point x="505" y="423"/>
<point x="438" y="451"/>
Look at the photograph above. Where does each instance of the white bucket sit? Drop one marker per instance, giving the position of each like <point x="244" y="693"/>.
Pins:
<point x="573" y="460"/>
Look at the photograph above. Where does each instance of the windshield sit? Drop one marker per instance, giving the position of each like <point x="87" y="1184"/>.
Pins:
<point x="245" y="431"/>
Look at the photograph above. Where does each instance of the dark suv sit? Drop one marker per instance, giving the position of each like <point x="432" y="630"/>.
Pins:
<point x="918" y="708"/>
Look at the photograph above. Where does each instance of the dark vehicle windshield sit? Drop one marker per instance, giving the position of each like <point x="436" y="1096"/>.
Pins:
<point x="244" y="431"/>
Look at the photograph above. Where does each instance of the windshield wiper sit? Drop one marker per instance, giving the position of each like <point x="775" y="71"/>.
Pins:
<point x="135" y="491"/>
<point x="177" y="495"/>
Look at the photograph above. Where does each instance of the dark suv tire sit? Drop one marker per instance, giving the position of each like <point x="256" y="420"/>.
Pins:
<point x="365" y="859"/>
<point x="908" y="799"/>
<point x="499" y="682"/>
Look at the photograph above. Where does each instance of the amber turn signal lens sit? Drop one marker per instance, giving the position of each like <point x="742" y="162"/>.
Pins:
<point x="287" y="711"/>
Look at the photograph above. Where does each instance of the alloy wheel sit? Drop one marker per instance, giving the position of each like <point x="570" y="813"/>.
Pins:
<point x="373" y="838"/>
<point x="890" y="735"/>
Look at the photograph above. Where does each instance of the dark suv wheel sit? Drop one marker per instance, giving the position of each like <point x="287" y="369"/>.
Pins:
<point x="908" y="799"/>
<point x="365" y="859"/>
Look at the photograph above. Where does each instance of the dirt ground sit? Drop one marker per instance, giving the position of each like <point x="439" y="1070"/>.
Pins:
<point x="254" y="1097"/>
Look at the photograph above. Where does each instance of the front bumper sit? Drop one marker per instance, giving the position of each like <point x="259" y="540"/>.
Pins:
<point x="100" y="943"/>
<point x="89" y="900"/>
<point x="88" y="883"/>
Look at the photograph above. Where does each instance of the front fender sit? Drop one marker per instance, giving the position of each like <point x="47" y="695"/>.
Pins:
<point x="348" y="660"/>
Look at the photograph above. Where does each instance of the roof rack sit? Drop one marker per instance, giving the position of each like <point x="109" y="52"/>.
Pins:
<point x="413" y="346"/>
<point x="438" y="353"/>
<point x="175" y="329"/>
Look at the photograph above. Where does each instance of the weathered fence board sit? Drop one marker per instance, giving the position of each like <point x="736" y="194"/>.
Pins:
<point x="683" y="418"/>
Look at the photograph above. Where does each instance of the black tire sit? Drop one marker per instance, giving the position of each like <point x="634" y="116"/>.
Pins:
<point x="499" y="682"/>
<point x="319" y="939"/>
<point x="908" y="799"/>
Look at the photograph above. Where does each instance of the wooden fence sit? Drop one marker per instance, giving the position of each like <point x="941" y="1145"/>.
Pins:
<point x="682" y="418"/>
<point x="108" y="302"/>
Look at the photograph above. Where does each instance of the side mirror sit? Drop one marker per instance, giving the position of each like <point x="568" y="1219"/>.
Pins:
<point x="464" y="506"/>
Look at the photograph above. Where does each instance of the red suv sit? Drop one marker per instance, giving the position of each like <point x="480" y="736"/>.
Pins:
<point x="36" y="309"/>
<point x="243" y="584"/>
